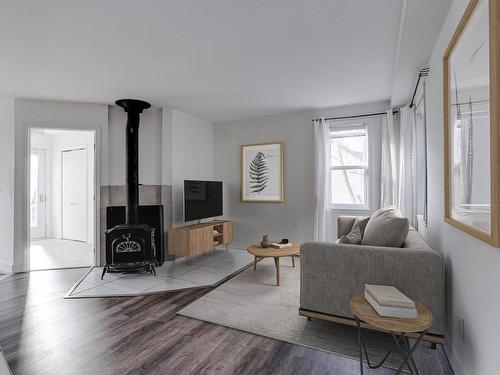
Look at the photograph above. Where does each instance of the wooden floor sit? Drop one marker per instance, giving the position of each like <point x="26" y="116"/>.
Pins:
<point x="42" y="333"/>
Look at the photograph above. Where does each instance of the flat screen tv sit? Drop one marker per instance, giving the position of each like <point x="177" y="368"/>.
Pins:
<point x="202" y="199"/>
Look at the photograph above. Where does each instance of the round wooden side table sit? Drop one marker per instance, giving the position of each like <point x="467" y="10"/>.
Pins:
<point x="270" y="252"/>
<point x="397" y="327"/>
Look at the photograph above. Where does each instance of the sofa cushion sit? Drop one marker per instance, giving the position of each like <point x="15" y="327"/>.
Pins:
<point x="353" y="238"/>
<point x="386" y="228"/>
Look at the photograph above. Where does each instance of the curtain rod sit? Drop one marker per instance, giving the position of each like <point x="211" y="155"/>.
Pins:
<point x="356" y="116"/>
<point x="422" y="73"/>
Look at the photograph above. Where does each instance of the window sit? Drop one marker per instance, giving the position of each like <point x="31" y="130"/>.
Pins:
<point x="421" y="157"/>
<point x="349" y="166"/>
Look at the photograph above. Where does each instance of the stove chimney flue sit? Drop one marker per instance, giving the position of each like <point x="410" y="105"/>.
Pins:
<point x="133" y="108"/>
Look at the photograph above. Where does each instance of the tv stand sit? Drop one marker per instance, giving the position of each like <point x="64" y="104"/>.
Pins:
<point x="196" y="239"/>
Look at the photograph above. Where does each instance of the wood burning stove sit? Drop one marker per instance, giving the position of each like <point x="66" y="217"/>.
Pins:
<point x="131" y="246"/>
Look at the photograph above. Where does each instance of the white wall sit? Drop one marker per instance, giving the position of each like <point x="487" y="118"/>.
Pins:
<point x="7" y="184"/>
<point x="173" y="146"/>
<point x="472" y="267"/>
<point x="189" y="142"/>
<point x="292" y="219"/>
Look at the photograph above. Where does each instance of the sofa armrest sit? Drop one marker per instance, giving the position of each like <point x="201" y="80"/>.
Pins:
<point x="345" y="224"/>
<point x="331" y="273"/>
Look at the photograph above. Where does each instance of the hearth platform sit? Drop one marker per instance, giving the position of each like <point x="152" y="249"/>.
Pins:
<point x="203" y="271"/>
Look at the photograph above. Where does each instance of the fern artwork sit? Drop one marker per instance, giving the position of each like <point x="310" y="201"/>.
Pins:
<point x="262" y="172"/>
<point x="259" y="173"/>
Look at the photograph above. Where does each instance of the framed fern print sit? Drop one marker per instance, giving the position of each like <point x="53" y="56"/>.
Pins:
<point x="262" y="172"/>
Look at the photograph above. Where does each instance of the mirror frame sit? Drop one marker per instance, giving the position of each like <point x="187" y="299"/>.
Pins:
<point x="492" y="238"/>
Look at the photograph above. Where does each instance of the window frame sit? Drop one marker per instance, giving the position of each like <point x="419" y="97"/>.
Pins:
<point x="359" y="125"/>
<point x="421" y="110"/>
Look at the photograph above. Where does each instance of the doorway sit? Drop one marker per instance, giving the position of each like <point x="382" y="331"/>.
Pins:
<point x="61" y="199"/>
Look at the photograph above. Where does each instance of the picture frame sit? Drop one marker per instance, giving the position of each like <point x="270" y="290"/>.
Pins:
<point x="261" y="176"/>
<point x="471" y="82"/>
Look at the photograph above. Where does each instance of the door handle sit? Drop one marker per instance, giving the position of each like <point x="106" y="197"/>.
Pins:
<point x="72" y="204"/>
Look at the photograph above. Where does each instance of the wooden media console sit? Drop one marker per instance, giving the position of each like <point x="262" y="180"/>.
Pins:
<point x="192" y="240"/>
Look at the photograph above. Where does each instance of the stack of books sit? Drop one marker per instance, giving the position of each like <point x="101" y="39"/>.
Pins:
<point x="277" y="245"/>
<point x="390" y="301"/>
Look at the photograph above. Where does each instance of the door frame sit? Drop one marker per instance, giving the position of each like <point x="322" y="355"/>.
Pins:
<point x="69" y="149"/>
<point x="40" y="148"/>
<point x="23" y="151"/>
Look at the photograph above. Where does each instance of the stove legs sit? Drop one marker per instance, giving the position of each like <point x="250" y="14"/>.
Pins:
<point x="104" y="269"/>
<point x="148" y="267"/>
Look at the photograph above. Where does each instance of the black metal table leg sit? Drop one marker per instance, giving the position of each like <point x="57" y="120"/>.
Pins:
<point x="408" y="347"/>
<point x="362" y="348"/>
<point x="409" y="355"/>
<point x="360" y="342"/>
<point x="404" y="353"/>
<point x="401" y="343"/>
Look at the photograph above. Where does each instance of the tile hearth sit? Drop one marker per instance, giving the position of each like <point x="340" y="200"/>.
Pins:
<point x="204" y="270"/>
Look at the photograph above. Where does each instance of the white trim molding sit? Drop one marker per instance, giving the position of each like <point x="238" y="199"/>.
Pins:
<point x="22" y="239"/>
<point x="61" y="116"/>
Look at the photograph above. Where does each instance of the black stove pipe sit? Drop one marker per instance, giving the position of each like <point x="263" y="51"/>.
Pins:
<point x="133" y="108"/>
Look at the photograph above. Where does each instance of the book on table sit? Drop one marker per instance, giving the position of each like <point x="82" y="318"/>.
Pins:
<point x="281" y="245"/>
<point x="389" y="301"/>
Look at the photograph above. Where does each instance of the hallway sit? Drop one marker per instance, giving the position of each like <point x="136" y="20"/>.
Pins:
<point x="52" y="253"/>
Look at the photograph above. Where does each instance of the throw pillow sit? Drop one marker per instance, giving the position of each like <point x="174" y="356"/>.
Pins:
<point x="386" y="228"/>
<point x="353" y="238"/>
<point x="361" y="223"/>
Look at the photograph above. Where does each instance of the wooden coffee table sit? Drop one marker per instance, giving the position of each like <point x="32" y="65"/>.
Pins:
<point x="399" y="328"/>
<point x="270" y="252"/>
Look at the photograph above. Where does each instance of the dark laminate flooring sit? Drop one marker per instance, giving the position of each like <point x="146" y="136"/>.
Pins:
<point x="42" y="333"/>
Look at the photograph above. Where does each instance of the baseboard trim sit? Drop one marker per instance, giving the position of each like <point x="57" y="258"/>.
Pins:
<point x="6" y="267"/>
<point x="11" y="268"/>
<point x="17" y="268"/>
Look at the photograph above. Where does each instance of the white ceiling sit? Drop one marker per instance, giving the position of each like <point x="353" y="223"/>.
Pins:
<point x="420" y="26"/>
<point x="220" y="59"/>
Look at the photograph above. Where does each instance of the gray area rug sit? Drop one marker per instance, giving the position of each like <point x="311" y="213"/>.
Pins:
<point x="251" y="302"/>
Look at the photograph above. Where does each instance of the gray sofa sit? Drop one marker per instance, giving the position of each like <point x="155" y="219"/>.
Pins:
<point x="330" y="273"/>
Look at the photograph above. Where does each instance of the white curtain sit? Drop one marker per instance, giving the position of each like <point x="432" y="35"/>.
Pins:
<point x="389" y="170"/>
<point x="406" y="190"/>
<point x="323" y="230"/>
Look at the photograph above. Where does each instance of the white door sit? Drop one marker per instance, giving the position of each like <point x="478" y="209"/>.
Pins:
<point x="38" y="196"/>
<point x="74" y="195"/>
